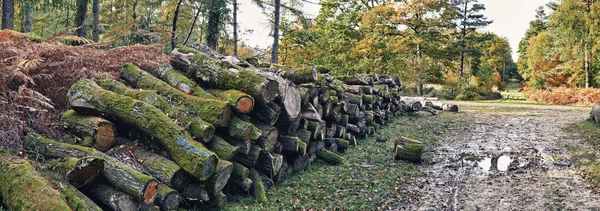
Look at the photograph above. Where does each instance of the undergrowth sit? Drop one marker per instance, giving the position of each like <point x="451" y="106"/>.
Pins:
<point x="370" y="179"/>
<point x="586" y="159"/>
<point x="566" y="96"/>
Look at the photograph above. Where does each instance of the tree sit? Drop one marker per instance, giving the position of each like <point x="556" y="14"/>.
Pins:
<point x="174" y="31"/>
<point x="96" y="20"/>
<point x="275" y="47"/>
<point x="8" y="13"/>
<point x="27" y="16"/>
<point x="81" y="17"/>
<point x="216" y="14"/>
<point x="469" y="19"/>
<point x="235" y="28"/>
<point x="535" y="27"/>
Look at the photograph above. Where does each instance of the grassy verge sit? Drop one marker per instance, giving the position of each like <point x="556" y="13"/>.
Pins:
<point x="369" y="179"/>
<point x="586" y="159"/>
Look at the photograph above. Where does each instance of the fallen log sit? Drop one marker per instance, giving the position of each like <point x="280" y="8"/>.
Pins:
<point x="239" y="180"/>
<point x="269" y="163"/>
<point x="111" y="198"/>
<point x="216" y="112"/>
<point x="259" y="188"/>
<point x="135" y="183"/>
<point x="78" y="171"/>
<point x="267" y="112"/>
<point x="239" y="129"/>
<point x="87" y="97"/>
<point x="268" y="137"/>
<point x="248" y="160"/>
<point x="198" y="128"/>
<point x="223" y="75"/>
<point x="163" y="169"/>
<point x="219" y="179"/>
<point x="444" y="106"/>
<point x="23" y="188"/>
<point x="408" y="149"/>
<point x="413" y="106"/>
<point x="93" y="131"/>
<point x="177" y="79"/>
<point x="195" y="192"/>
<point x="76" y="199"/>
<point x="292" y="144"/>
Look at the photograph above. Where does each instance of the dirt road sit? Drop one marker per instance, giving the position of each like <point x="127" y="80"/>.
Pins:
<point x="506" y="157"/>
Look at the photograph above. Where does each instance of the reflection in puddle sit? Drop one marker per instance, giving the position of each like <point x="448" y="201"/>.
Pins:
<point x="485" y="164"/>
<point x="504" y="162"/>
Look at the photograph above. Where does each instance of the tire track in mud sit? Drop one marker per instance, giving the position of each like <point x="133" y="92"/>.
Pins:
<point x="506" y="157"/>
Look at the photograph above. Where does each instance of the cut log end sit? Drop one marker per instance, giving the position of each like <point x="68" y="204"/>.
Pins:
<point x="104" y="137"/>
<point x="270" y="91"/>
<point x="85" y="171"/>
<point x="150" y="192"/>
<point x="245" y="104"/>
<point x="180" y="179"/>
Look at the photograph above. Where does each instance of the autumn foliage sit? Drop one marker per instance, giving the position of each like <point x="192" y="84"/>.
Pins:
<point x="567" y="96"/>
<point x="35" y="77"/>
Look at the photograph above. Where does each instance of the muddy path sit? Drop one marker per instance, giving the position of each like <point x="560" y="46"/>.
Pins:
<point x="506" y="157"/>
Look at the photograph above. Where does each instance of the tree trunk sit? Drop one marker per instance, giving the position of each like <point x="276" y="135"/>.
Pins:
<point x="235" y="28"/>
<point x="94" y="131"/>
<point x="187" y="38"/>
<point x="27" y="17"/>
<point x="444" y="106"/>
<point x="23" y="188"/>
<point x="85" y="96"/>
<point x="96" y="20"/>
<point x="198" y="128"/>
<point x="8" y="14"/>
<point x="223" y="75"/>
<point x="112" y="198"/>
<point x="174" y="29"/>
<point x="216" y="112"/>
<point x="81" y="18"/>
<point x="275" y="47"/>
<point x="78" y="171"/>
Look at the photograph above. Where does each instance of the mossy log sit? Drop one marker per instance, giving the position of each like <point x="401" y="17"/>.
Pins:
<point x="177" y="79"/>
<point x="444" y="106"/>
<point x="310" y="112"/>
<point x="243" y="103"/>
<point x="259" y="189"/>
<point x="110" y="197"/>
<point x="268" y="137"/>
<point x="160" y="167"/>
<point x="300" y="163"/>
<point x="248" y="160"/>
<point x="408" y="149"/>
<point x="269" y="163"/>
<point x="340" y="131"/>
<point x="216" y="112"/>
<point x="219" y="200"/>
<point x="304" y="135"/>
<point x="23" y="188"/>
<point x="329" y="157"/>
<point x="239" y="181"/>
<point x="94" y="131"/>
<point x="222" y="148"/>
<point x="195" y="192"/>
<point x="223" y="75"/>
<point x="238" y="128"/>
<point x="342" y="144"/>
<point x="87" y="97"/>
<point x="78" y="171"/>
<point x="198" y="128"/>
<point x="354" y="89"/>
<point x="167" y="198"/>
<point x="124" y="177"/>
<point x="283" y="172"/>
<point x="243" y="146"/>
<point x="292" y="144"/>
<point x="267" y="112"/>
<point x="122" y="153"/>
<point x="317" y="128"/>
<point x="357" y="79"/>
<point x="296" y="75"/>
<point x="216" y="183"/>
<point x="76" y="199"/>
<point x="313" y="146"/>
<point x="412" y="106"/>
<point x="290" y="101"/>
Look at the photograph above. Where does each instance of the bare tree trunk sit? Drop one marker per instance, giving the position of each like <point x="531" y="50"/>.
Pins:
<point x="463" y="45"/>
<point x="134" y="19"/>
<point x="174" y="31"/>
<point x="275" y="52"/>
<point x="212" y="32"/>
<point x="8" y="13"/>
<point x="27" y="19"/>
<point x="193" y="25"/>
<point x="96" y="21"/>
<point x="81" y="17"/>
<point x="235" y="28"/>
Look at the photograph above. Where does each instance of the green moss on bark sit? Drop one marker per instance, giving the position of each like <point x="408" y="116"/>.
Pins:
<point x="178" y="80"/>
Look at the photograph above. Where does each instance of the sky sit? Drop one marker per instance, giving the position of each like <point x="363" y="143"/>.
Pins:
<point x="511" y="20"/>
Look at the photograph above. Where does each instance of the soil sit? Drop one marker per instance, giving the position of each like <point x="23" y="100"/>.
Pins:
<point x="506" y="157"/>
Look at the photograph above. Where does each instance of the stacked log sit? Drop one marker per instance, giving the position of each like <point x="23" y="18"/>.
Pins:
<point x="206" y="126"/>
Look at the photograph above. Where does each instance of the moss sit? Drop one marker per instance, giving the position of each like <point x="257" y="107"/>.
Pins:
<point x="410" y="150"/>
<point x="232" y="96"/>
<point x="259" y="188"/>
<point x="177" y="79"/>
<point x="189" y="154"/>
<point x="85" y="127"/>
<point x="48" y="147"/>
<point x="222" y="148"/>
<point x="329" y="157"/>
<point x="256" y="132"/>
<point x="23" y="188"/>
<point x="77" y="200"/>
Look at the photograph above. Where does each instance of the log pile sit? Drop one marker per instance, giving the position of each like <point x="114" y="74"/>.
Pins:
<point x="206" y="126"/>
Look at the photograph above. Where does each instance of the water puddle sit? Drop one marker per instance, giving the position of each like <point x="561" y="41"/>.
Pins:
<point x="503" y="163"/>
<point x="485" y="164"/>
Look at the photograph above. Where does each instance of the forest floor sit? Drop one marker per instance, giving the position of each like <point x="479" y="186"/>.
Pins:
<point x="489" y="156"/>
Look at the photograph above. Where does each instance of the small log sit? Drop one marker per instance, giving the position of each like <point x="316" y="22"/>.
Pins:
<point x="243" y="103"/>
<point x="313" y="146"/>
<point x="259" y="188"/>
<point x="413" y="106"/>
<point x="219" y="200"/>
<point x="177" y="79"/>
<point x="342" y="144"/>
<point x="239" y="181"/>
<point x="216" y="183"/>
<point x="268" y="137"/>
<point x="85" y="96"/>
<point x="292" y="144"/>
<point x="78" y="171"/>
<point x="23" y="188"/>
<point x="167" y="198"/>
<point x="267" y="112"/>
<point x="160" y="167"/>
<point x="238" y="128"/>
<point x="94" y="131"/>
<point x="283" y="172"/>
<point x="222" y="148"/>
<point x="216" y="112"/>
<point x="310" y="112"/>
<point x="269" y="163"/>
<point x="354" y="89"/>
<point x="444" y="106"/>
<point x="304" y="135"/>
<point x="223" y="75"/>
<point x="289" y="128"/>
<point x="296" y="75"/>
<point x="329" y="157"/>
<point x="77" y="200"/>
<point x="300" y="163"/>
<point x="111" y="198"/>
<point x="357" y="79"/>
<point x="243" y="146"/>
<point x="408" y="149"/>
<point x="195" y="192"/>
<point x="248" y="160"/>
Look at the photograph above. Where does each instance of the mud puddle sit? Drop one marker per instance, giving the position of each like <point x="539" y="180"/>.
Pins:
<point x="506" y="157"/>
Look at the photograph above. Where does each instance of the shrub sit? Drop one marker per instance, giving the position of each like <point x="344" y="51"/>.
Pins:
<point x="566" y="96"/>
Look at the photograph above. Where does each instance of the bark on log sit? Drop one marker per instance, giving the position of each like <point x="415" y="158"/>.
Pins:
<point x="413" y="106"/>
<point x="310" y="112"/>
<point x="76" y="199"/>
<point x="444" y="106"/>
<point x="23" y="188"/>
<point x="268" y="137"/>
<point x="223" y="75"/>
<point x="269" y="163"/>
<point x="304" y="135"/>
<point x="94" y="131"/>
<point x="329" y="157"/>
<point x="357" y="79"/>
<point x="195" y="192"/>
<point x="248" y="160"/>
<point x="595" y="113"/>
<point x="259" y="188"/>
<point x="198" y="128"/>
<point x="222" y="148"/>
<point x="243" y="103"/>
<point x="216" y="112"/>
<point x="238" y="128"/>
<point x="267" y="112"/>
<point x="86" y="97"/>
<point x="292" y="144"/>
<point x="408" y="149"/>
<point x="239" y="181"/>
<point x="177" y="79"/>
<point x="300" y="163"/>
<point x="135" y="183"/>
<point x="78" y="171"/>
<point x="110" y="197"/>
<point x="219" y="179"/>
<point x="167" y="198"/>
<point x="244" y="146"/>
<point x="161" y="168"/>
<point x="296" y="75"/>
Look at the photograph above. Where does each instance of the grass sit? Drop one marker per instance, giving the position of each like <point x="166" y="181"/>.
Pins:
<point x="369" y="179"/>
<point x="586" y="159"/>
